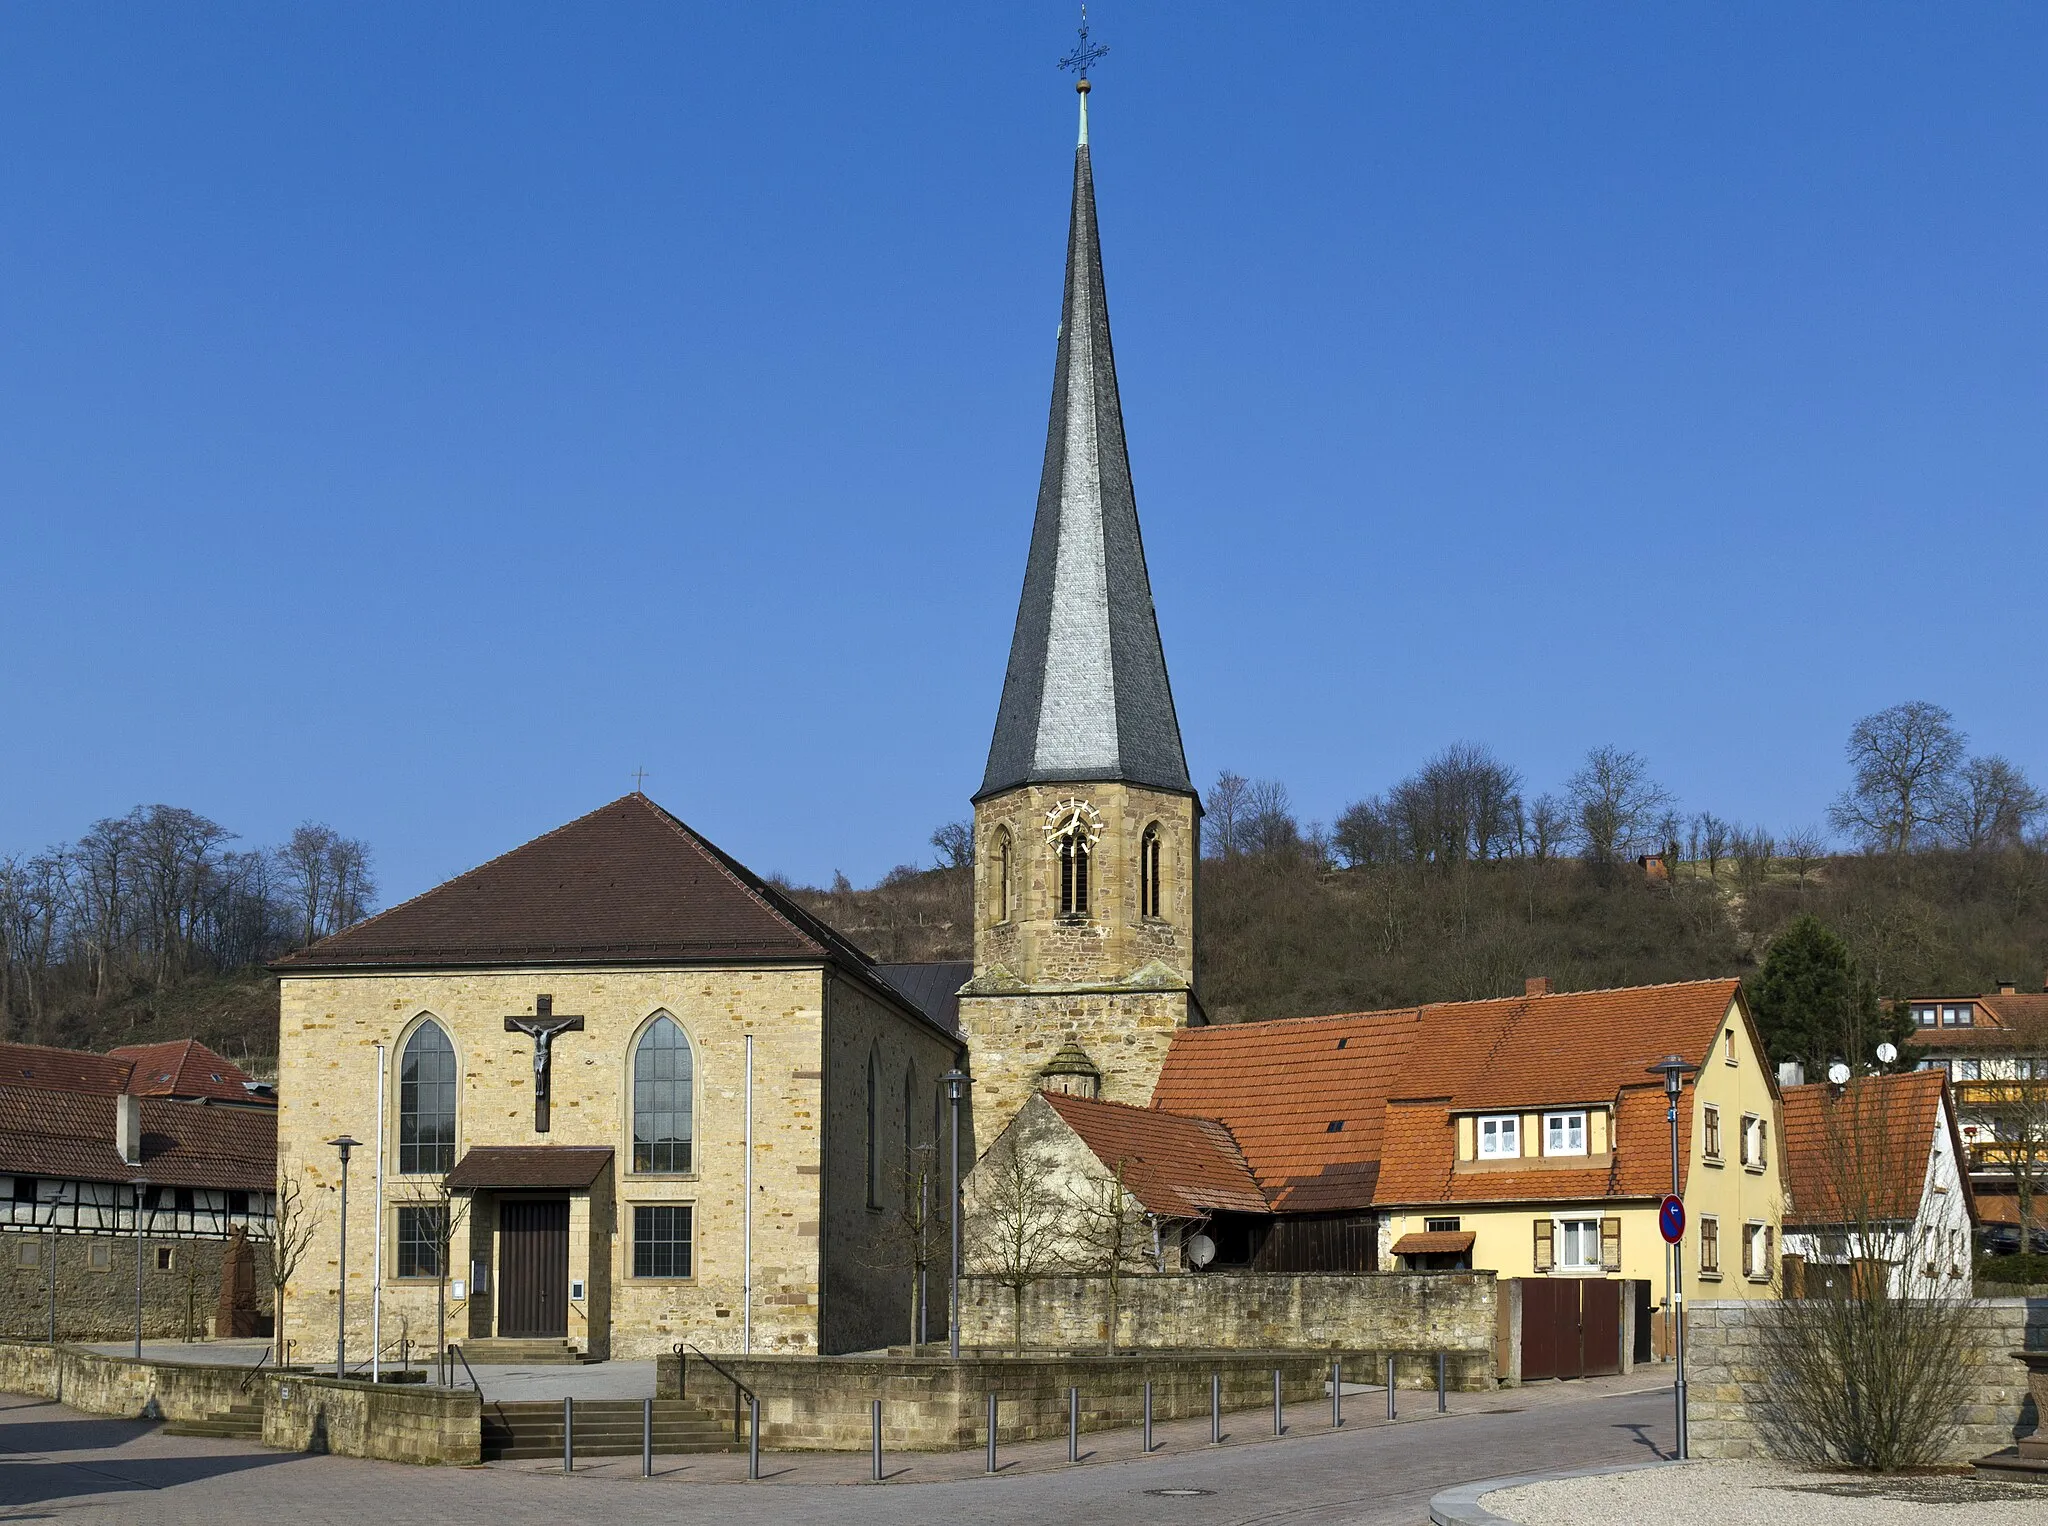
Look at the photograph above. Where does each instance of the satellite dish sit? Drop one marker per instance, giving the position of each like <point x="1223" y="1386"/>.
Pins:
<point x="1838" y="1074"/>
<point x="1886" y="1053"/>
<point x="1201" y="1251"/>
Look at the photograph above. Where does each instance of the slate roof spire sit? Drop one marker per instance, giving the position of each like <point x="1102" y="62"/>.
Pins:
<point x="1086" y="696"/>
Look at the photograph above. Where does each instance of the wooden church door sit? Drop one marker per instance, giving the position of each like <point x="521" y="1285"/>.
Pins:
<point x="533" y="1267"/>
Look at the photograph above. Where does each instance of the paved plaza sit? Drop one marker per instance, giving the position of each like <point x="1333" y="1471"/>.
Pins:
<point x="57" y="1465"/>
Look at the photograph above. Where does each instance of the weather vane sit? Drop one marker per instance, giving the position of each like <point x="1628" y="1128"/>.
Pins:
<point x="1085" y="52"/>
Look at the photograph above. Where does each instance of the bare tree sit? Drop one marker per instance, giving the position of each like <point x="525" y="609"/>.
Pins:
<point x="2015" y="1107"/>
<point x="444" y="1218"/>
<point x="1805" y="849"/>
<point x="1365" y="835"/>
<point x="1549" y="827"/>
<point x="1015" y="1221"/>
<point x="1867" y="1360"/>
<point x="955" y="842"/>
<point x="1904" y="760"/>
<point x="328" y="878"/>
<point x="1714" y="833"/>
<point x="1226" y="805"/>
<point x="1615" y="803"/>
<point x="1990" y="805"/>
<point x="913" y="1232"/>
<point x="294" y="1223"/>
<point x="1266" y="825"/>
<point x="1108" y="1237"/>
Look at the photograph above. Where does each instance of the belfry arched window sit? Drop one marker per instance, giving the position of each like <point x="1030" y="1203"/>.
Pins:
<point x="1148" y="872"/>
<point x="1000" y="861"/>
<point x="664" y="1082"/>
<point x="426" y="1103"/>
<point x="1072" y="828"/>
<point x="874" y="1131"/>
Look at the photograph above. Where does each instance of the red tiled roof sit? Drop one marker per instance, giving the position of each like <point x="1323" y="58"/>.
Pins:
<point x="1280" y="1086"/>
<point x="1861" y="1152"/>
<point x="47" y="1132"/>
<point x="1181" y="1167"/>
<point x="1435" y="1242"/>
<point x="177" y="1068"/>
<point x="183" y="1068"/>
<point x="560" y="1167"/>
<point x="626" y="883"/>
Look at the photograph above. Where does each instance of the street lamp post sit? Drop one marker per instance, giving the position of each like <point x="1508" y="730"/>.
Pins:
<point x="343" y="1144"/>
<point x="1674" y="1068"/>
<point x="141" y="1191"/>
<point x="957" y="1082"/>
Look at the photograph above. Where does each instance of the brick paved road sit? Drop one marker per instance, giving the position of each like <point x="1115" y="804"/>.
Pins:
<point x="56" y="1465"/>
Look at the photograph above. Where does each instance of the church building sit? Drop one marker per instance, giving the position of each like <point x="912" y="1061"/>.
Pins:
<point x="626" y="1094"/>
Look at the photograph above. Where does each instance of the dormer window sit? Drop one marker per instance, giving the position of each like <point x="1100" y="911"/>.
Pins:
<point x="1564" y="1133"/>
<point x="1925" y="1016"/>
<point x="1961" y="1015"/>
<point x="1500" y="1136"/>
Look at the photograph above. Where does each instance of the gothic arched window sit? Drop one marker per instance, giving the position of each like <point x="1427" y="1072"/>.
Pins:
<point x="664" y="1082"/>
<point x="1148" y="872"/>
<point x="874" y="1131"/>
<point x="1075" y="843"/>
<point x="426" y="1103"/>
<point x="1002" y="869"/>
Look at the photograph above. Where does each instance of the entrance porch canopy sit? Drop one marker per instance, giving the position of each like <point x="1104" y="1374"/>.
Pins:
<point x="530" y="1168"/>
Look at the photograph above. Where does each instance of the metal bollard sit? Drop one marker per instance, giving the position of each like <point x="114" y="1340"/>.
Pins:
<point x="1148" y="1416"/>
<point x="1215" y="1408"/>
<point x="1443" y="1404"/>
<point x="1073" y="1425"/>
<point x="753" y="1438"/>
<point x="1279" y="1424"/>
<point x="568" y="1435"/>
<point x="877" y="1425"/>
<point x="1390" y="1388"/>
<point x="991" y="1433"/>
<point x="647" y="1438"/>
<point x="1337" y="1394"/>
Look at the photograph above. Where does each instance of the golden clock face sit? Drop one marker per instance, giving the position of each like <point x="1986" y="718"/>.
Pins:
<point x="1073" y="819"/>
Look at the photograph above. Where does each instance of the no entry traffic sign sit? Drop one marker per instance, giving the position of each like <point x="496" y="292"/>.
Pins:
<point x="1671" y="1219"/>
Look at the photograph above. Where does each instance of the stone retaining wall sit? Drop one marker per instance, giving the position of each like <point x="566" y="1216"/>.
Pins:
<point x="1407" y="1312"/>
<point x="933" y="1404"/>
<point x="1729" y="1407"/>
<point x="302" y="1413"/>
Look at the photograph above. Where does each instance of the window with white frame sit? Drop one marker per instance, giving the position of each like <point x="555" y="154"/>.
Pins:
<point x="1564" y="1133"/>
<point x="1963" y="1015"/>
<point x="1964" y="1070"/>
<point x="1499" y="1136"/>
<point x="1756" y="1252"/>
<point x="1578" y="1245"/>
<point x="1753" y="1142"/>
<point x="1924" y="1016"/>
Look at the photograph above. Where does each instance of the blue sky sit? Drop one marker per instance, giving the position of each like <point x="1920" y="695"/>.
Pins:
<point x="418" y="417"/>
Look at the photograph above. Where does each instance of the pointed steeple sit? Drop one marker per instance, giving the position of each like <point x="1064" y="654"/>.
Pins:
<point x="1086" y="696"/>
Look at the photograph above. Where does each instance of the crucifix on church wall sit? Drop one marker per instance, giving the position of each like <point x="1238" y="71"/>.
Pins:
<point x="542" y="1028"/>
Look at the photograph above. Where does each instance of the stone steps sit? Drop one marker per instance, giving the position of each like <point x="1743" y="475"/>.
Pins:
<point x="500" y="1352"/>
<point x="239" y="1422"/>
<point x="532" y="1429"/>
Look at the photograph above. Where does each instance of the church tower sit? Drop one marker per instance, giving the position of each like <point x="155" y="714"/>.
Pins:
<point x="1087" y="829"/>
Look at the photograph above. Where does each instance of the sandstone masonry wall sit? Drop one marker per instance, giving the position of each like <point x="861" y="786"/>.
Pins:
<point x="97" y="1302"/>
<point x="1730" y="1412"/>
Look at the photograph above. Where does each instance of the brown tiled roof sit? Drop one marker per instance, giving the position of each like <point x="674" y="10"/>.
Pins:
<point x="45" y="1132"/>
<point x="1180" y="1167"/>
<point x="1863" y="1151"/>
<point x="626" y="883"/>
<point x="545" y="1167"/>
<point x="1422" y="1154"/>
<point x="183" y="1068"/>
<point x="75" y="1070"/>
<point x="1279" y="1086"/>
<point x="1435" y="1242"/>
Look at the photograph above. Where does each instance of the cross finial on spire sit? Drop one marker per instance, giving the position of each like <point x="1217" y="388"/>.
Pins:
<point x="639" y="781"/>
<point x="1084" y="54"/>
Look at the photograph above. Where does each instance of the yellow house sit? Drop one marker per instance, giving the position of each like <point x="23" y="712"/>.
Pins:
<point x="1530" y="1137"/>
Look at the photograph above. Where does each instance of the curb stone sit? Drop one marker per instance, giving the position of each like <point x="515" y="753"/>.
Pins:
<point x="1460" y="1506"/>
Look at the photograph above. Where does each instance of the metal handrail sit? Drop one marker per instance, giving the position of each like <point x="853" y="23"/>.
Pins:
<point x="456" y="1347"/>
<point x="250" y="1376"/>
<point x="738" y="1387"/>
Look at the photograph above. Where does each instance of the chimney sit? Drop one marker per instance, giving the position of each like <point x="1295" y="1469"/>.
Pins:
<point x="128" y="1128"/>
<point x="1791" y="1073"/>
<point x="1536" y="985"/>
<point x="2008" y="988"/>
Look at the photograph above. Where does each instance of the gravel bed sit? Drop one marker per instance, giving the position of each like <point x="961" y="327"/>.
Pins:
<point x="1770" y="1494"/>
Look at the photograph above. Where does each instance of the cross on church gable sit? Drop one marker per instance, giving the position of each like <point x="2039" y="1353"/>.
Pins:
<point x="542" y="1028"/>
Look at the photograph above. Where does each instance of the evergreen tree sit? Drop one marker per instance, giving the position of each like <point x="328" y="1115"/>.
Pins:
<point x="1814" y="1005"/>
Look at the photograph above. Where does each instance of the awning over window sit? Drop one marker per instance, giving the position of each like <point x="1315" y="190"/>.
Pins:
<point x="504" y="1168"/>
<point x="1442" y="1242"/>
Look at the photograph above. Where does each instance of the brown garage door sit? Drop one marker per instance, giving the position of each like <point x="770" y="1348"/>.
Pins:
<point x="1571" y="1327"/>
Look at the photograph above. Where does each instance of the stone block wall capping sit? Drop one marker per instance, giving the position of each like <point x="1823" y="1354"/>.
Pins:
<point x="1460" y="1506"/>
